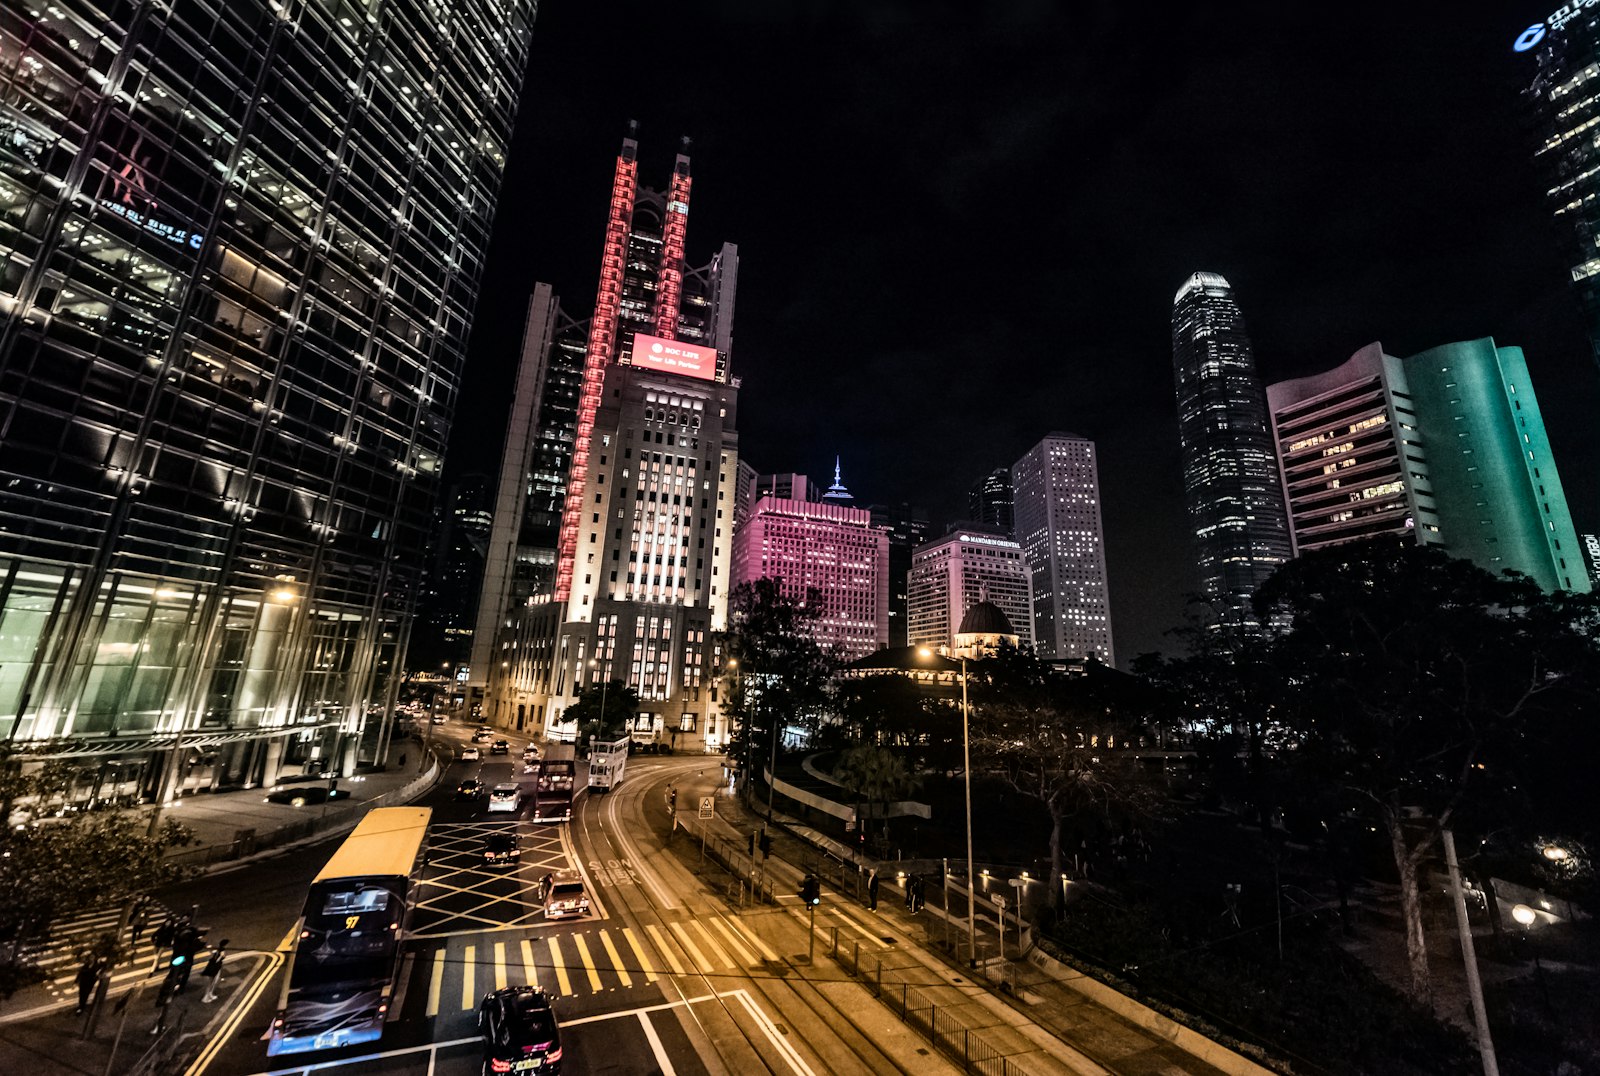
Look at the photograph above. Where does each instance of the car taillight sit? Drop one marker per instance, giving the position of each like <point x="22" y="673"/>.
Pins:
<point x="553" y="1055"/>
<point x="496" y="1065"/>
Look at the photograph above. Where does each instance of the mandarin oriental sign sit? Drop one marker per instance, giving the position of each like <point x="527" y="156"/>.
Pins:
<point x="674" y="357"/>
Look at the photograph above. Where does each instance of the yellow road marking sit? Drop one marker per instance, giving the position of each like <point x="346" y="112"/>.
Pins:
<point x="664" y="949"/>
<point x="435" y="982"/>
<point x="744" y="954"/>
<point x="644" y="961"/>
<point x="528" y="964"/>
<point x="714" y="945"/>
<point x="616" y="959"/>
<point x="499" y="965"/>
<point x="588" y="961"/>
<point x="469" y="975"/>
<point x="694" y="950"/>
<point x="560" y="966"/>
<point x="749" y="935"/>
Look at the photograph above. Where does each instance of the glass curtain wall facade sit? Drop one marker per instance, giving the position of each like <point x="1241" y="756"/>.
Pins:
<point x="240" y="245"/>
<point x="1236" y="513"/>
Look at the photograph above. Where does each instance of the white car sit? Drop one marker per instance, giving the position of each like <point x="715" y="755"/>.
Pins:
<point x="505" y="797"/>
<point x="563" y="895"/>
<point x="470" y="754"/>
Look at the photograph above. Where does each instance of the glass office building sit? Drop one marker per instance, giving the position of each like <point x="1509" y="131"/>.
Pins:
<point x="240" y="246"/>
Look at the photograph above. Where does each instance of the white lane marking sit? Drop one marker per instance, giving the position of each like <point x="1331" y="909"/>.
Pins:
<point x="664" y="949"/>
<point x="749" y="935"/>
<point x="693" y="950"/>
<point x="796" y="1062"/>
<point x="738" y="947"/>
<point x="631" y="851"/>
<point x="662" y="1060"/>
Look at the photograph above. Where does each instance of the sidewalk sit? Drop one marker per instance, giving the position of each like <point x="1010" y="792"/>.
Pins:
<point x="1053" y="1021"/>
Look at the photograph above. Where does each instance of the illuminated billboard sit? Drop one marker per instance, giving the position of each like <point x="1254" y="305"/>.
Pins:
<point x="674" y="357"/>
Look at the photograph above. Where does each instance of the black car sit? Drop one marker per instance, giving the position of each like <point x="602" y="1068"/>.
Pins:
<point x="470" y="789"/>
<point x="520" y="1032"/>
<point x="501" y="850"/>
<point x="500" y="747"/>
<point x="310" y="794"/>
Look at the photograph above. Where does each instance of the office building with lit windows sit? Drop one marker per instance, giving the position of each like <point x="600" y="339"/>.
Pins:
<point x="1447" y="447"/>
<point x="1056" y="490"/>
<point x="952" y="574"/>
<point x="1558" y="62"/>
<point x="990" y="500"/>
<point x="824" y="552"/>
<point x="1237" y="523"/>
<point x="643" y="545"/>
<point x="240" y="247"/>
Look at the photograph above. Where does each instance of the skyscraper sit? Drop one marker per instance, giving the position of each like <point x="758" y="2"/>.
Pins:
<point x="1558" y="59"/>
<point x="990" y="500"/>
<point x="642" y="567"/>
<point x="1236" y="514"/>
<point x="828" y="551"/>
<point x="1056" y="486"/>
<point x="1447" y="446"/>
<point x="907" y="527"/>
<point x="240" y="247"/>
<point x="950" y="575"/>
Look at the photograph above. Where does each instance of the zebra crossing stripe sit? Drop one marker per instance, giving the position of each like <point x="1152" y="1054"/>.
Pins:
<point x="664" y="949"/>
<point x="528" y="965"/>
<point x="616" y="959"/>
<point x="499" y="965"/>
<point x="753" y="938"/>
<point x="693" y="950"/>
<point x="469" y="974"/>
<point x="435" y="981"/>
<point x="744" y="954"/>
<point x="588" y="962"/>
<point x="644" y="961"/>
<point x="561" y="968"/>
<point x="711" y="944"/>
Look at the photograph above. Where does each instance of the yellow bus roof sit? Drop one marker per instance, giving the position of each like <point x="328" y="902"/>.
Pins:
<point x="386" y="842"/>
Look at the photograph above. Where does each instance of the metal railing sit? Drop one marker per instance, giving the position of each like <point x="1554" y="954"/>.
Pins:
<point x="748" y="880"/>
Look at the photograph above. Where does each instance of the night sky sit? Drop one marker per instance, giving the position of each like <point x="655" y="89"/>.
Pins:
<point x="960" y="231"/>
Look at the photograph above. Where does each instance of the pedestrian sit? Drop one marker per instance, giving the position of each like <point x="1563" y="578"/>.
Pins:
<point x="213" y="970"/>
<point x="916" y="892"/>
<point x="141" y="916"/>
<point x="907" y="884"/>
<point x="87" y="976"/>
<point x="872" y="890"/>
<point x="402" y="760"/>
<point x="163" y="937"/>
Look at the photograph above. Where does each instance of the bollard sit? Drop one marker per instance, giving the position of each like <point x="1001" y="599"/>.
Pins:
<point x="833" y="949"/>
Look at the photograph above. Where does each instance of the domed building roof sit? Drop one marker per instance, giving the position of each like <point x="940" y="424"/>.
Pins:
<point x="986" y="618"/>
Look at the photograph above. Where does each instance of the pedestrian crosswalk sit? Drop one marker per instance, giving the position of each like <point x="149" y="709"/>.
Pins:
<point x="592" y="961"/>
<point x="61" y="956"/>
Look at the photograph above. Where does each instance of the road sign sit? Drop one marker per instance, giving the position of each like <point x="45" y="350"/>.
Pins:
<point x="1018" y="883"/>
<point x="999" y="900"/>
<point x="708" y="806"/>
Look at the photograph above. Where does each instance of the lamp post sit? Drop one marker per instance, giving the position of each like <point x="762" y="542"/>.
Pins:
<point x="966" y="774"/>
<point x="605" y="682"/>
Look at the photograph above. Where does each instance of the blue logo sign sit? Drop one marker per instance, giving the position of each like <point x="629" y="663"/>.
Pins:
<point x="1530" y="37"/>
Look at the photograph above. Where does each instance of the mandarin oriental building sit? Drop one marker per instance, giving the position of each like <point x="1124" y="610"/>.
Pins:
<point x="240" y="247"/>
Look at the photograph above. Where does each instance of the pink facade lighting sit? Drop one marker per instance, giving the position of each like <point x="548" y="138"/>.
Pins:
<point x="669" y="287"/>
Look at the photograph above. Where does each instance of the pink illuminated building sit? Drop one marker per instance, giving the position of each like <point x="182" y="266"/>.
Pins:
<point x="830" y="547"/>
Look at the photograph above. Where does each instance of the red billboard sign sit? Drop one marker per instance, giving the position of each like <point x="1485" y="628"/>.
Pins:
<point x="674" y="357"/>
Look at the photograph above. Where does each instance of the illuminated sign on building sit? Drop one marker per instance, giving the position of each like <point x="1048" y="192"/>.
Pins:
<point x="674" y="357"/>
<point x="170" y="232"/>
<point x="1556" y="20"/>
<point x="1591" y="542"/>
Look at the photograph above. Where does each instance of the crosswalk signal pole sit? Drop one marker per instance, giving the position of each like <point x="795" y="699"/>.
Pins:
<point x="811" y="932"/>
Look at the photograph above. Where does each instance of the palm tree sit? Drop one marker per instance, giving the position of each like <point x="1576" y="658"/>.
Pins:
<point x="876" y="775"/>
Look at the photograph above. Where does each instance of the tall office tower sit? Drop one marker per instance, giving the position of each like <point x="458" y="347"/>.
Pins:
<point x="1057" y="489"/>
<point x="240" y="246"/>
<point x="1235" y="501"/>
<point x="441" y="634"/>
<point x="1447" y="446"/>
<point x="990" y="500"/>
<point x="1559" y="59"/>
<point x="744" y="492"/>
<point x="643" y="553"/>
<point x="828" y="551"/>
<point x="789" y="487"/>
<point x="907" y="527"/>
<point x="950" y="575"/>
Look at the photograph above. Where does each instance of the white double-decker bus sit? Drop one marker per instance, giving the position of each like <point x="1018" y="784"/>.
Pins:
<point x="606" y="763"/>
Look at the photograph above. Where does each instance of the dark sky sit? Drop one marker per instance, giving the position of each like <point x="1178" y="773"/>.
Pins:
<point x="961" y="231"/>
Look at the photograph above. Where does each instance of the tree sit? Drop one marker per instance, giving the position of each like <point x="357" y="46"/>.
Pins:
<point x="51" y="868"/>
<point x="776" y="670"/>
<point x="1411" y="680"/>
<point x="876" y="775"/>
<point x="603" y="712"/>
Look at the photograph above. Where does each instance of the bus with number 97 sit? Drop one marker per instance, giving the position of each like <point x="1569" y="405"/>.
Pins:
<point x="347" y="948"/>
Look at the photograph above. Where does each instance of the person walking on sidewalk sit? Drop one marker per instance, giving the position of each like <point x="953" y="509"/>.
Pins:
<point x="213" y="970"/>
<point x="141" y="918"/>
<point x="872" y="890"/>
<point x="163" y="938"/>
<point x="87" y="976"/>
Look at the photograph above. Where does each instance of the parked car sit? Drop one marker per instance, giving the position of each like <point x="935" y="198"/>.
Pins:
<point x="520" y="1032"/>
<point x="470" y="754"/>
<point x="310" y="794"/>
<point x="563" y="895"/>
<point x="499" y="747"/>
<point x="505" y="797"/>
<point x="470" y="789"/>
<point x="501" y="849"/>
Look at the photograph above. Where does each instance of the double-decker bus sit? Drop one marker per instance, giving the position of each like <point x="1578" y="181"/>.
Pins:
<point x="554" y="786"/>
<point x="342" y="970"/>
<point x="606" y="763"/>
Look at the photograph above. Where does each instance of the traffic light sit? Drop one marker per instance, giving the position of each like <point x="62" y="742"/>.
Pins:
<point x="810" y="890"/>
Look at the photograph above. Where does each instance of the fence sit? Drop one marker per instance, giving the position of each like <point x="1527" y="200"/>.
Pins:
<point x="969" y="1047"/>
<point x="248" y="842"/>
<point x="748" y="879"/>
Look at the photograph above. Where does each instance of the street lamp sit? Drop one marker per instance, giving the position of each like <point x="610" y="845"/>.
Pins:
<point x="966" y="774"/>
